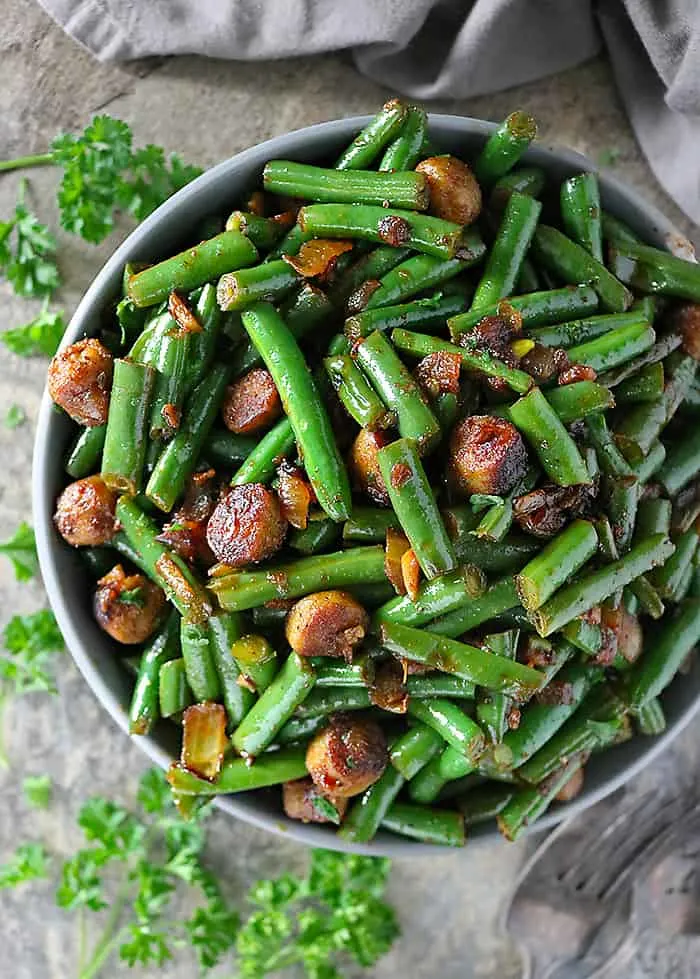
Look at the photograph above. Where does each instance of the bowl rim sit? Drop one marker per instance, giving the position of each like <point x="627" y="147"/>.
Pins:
<point x="42" y="491"/>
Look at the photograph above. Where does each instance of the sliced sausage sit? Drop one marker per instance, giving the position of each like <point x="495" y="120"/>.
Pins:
<point x="246" y="526"/>
<point x="128" y="606"/>
<point x="85" y="512"/>
<point x="364" y="465"/>
<point x="304" y="801"/>
<point x="455" y="194"/>
<point x="251" y="403"/>
<point x="79" y="380"/>
<point x="686" y="319"/>
<point x="487" y="455"/>
<point x="348" y="756"/>
<point x="327" y="623"/>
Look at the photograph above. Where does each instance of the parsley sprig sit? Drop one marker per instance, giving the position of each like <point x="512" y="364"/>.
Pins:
<point x="27" y="250"/>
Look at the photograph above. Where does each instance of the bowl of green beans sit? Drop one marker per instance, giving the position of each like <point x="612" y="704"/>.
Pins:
<point x="371" y="506"/>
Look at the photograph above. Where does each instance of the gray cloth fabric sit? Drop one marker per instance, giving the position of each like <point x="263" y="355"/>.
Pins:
<point x="441" y="48"/>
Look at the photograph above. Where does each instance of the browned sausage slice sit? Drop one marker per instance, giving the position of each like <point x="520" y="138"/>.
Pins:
<point x="348" y="756"/>
<point x="251" y="403"/>
<point x="304" y="801"/>
<point x="85" y="512"/>
<point x="246" y="526"/>
<point x="128" y="606"/>
<point x="364" y="465"/>
<point x="327" y="623"/>
<point x="79" y="380"/>
<point x="487" y="455"/>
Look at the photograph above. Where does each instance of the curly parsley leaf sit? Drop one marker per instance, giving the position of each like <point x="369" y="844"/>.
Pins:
<point x="31" y="642"/>
<point x="37" y="791"/>
<point x="117" y="831"/>
<point x="29" y="862"/>
<point x="152" y="179"/>
<point x="81" y="883"/>
<point x="15" y="416"/>
<point x="40" y="337"/>
<point x="27" y="250"/>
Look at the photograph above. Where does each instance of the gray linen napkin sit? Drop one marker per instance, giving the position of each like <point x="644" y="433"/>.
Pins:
<point x="442" y="48"/>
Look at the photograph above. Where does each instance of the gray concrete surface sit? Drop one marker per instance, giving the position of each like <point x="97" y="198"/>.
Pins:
<point x="206" y="111"/>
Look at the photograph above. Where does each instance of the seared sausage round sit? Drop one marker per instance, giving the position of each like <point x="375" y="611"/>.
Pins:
<point x="85" y="512"/>
<point x="572" y="788"/>
<point x="246" y="526"/>
<point x="364" y="465"/>
<point x="304" y="801"/>
<point x="686" y="319"/>
<point x="455" y="194"/>
<point x="80" y="378"/>
<point x="251" y="403"/>
<point x="487" y="455"/>
<point x="128" y="606"/>
<point x="348" y="756"/>
<point x="327" y="623"/>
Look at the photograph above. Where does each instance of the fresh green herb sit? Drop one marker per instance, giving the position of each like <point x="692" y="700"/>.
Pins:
<point x="133" y="596"/>
<point x="324" y="807"/>
<point x="30" y="643"/>
<point x="29" y="862"/>
<point x="15" y="416"/>
<point x="482" y="501"/>
<point x="21" y="550"/>
<point x="336" y="911"/>
<point x="41" y="336"/>
<point x="37" y="791"/>
<point x="27" y="250"/>
<point x="609" y="156"/>
<point x="152" y="179"/>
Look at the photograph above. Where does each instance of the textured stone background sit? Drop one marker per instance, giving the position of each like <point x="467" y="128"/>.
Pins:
<point x="207" y="111"/>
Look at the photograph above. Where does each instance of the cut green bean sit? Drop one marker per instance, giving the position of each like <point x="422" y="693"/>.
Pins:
<point x="427" y="825"/>
<point x="414" y="749"/>
<point x="509" y="248"/>
<point x="124" y="450"/>
<point x="581" y="212"/>
<point x="681" y="465"/>
<point x="261" y="464"/>
<point x="164" y="647"/>
<point x="443" y="594"/>
<point x="356" y="395"/>
<point x="204" y="262"/>
<point x="451" y="723"/>
<point x="86" y="453"/>
<point x="275" y="707"/>
<point x="318" y="535"/>
<point x="543" y="308"/>
<point x="224" y="630"/>
<point x="572" y="402"/>
<point x="651" y="719"/>
<point x="614" y="348"/>
<point x="471" y="663"/>
<point x="573" y="264"/>
<point x="416" y="274"/>
<point x="666" y="580"/>
<point x="237" y="775"/>
<point x="369" y="267"/>
<point x="328" y="700"/>
<point x="498" y="598"/>
<point x="527" y="805"/>
<point x="407" y="189"/>
<point x="421" y="314"/>
<point x="484" y="803"/>
<point x="556" y="563"/>
<point x="406" y="149"/>
<point x="647" y="385"/>
<point x="615" y="230"/>
<point x="492" y="708"/>
<point x="429" y="782"/>
<point x="555" y="448"/>
<point x="202" y="675"/>
<point x="265" y="233"/>
<point x="659" y="351"/>
<point x="504" y="147"/>
<point x="268" y="282"/>
<point x="524" y="180"/>
<point x="439" y="685"/>
<point x="414" y="505"/>
<point x="649" y="269"/>
<point x="362" y="822"/>
<point x="170" y="382"/>
<point x="256" y="661"/>
<point x="664" y="654"/>
<point x="341" y="569"/>
<point x="573" y="333"/>
<point x="369" y="525"/>
<point x="174" y="694"/>
<point x="370" y="141"/>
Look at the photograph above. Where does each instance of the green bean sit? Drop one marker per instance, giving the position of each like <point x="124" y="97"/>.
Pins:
<point x="659" y="351"/>
<point x="174" y="694"/>
<point x="341" y="569"/>
<point x="303" y="406"/>
<point x="528" y="280"/>
<point x="290" y="244"/>
<point x="256" y="661"/>
<point x="584" y="635"/>
<point x="647" y="596"/>
<point x="357" y="674"/>
<point x="460" y="659"/>
<point x="572" y="263"/>
<point x="398" y="390"/>
<point x="268" y="282"/>
<point x="202" y="345"/>
<point x="225" y="448"/>
<point x="407" y="189"/>
<point x="595" y="587"/>
<point x="275" y="707"/>
<point x="299" y="729"/>
<point x="414" y="504"/>
<point x="423" y="314"/>
<point x="317" y="536"/>
<point x="649" y="269"/>
<point x="405" y="151"/>
<point x="127" y="423"/>
<point x="362" y="822"/>
<point x="543" y="308"/>
<point x="439" y="685"/>
<point x="451" y="764"/>
<point x="265" y="233"/>
<point x="166" y="568"/>
<point x="451" y="723"/>
<point x="681" y="465"/>
<point x="615" y="230"/>
<point x="237" y="775"/>
<point x="438" y="826"/>
<point x="369" y="525"/>
<point x="651" y="719"/>
<point x="164" y="647"/>
<point x="328" y="700"/>
<point x="558" y="561"/>
<point x="372" y="222"/>
<point x="653" y="517"/>
<point x="666" y="580"/>
<point x="370" y="141"/>
<point x="414" y="749"/>
<point x="416" y="274"/>
<point x="622" y="498"/>
<point x="429" y="782"/>
<point x="492" y="708"/>
<point x="170" y="381"/>
<point x="581" y="213"/>
<point x="614" y="348"/>
<point x="368" y="267"/>
<point x="555" y="448"/>
<point x="86" y="453"/>
<point x="509" y="248"/>
<point x="261" y="464"/>
<point x="443" y="594"/>
<point x="640" y="428"/>
<point x="498" y="598"/>
<point x="484" y="803"/>
<point x="664" y="654"/>
<point x="524" y="180"/>
<point x="356" y="395"/>
<point x="495" y="556"/>
<point x="206" y="261"/>
<point x="647" y="385"/>
<point x="202" y="675"/>
<point x="527" y="805"/>
<point x="650" y="464"/>
<point x="224" y="629"/>
<point x="504" y="147"/>
<point x="572" y="402"/>
<point x="474" y="356"/>
<point x="178" y="459"/>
